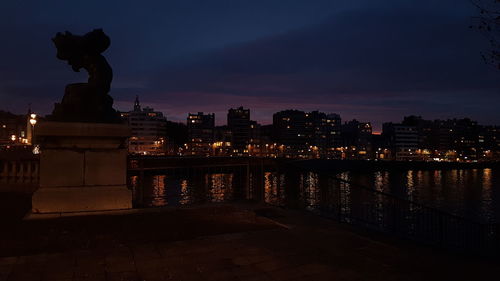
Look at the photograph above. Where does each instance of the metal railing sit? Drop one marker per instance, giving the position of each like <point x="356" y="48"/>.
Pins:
<point x="325" y="194"/>
<point x="362" y="206"/>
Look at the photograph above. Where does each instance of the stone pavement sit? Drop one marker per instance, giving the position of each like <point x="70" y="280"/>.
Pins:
<point x="291" y="246"/>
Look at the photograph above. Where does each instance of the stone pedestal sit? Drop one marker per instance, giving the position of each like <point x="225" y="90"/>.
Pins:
<point x="83" y="167"/>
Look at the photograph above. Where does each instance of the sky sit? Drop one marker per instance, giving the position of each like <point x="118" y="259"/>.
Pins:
<point x="374" y="61"/>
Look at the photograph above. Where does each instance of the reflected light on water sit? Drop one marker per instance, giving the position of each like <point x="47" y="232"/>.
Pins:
<point x="133" y="181"/>
<point x="463" y="192"/>
<point x="159" y="196"/>
<point x="220" y="187"/>
<point x="185" y="198"/>
<point x="311" y="190"/>
<point x="345" y="192"/>
<point x="437" y="177"/>
<point x="410" y="185"/>
<point x="378" y="182"/>
<point x="269" y="187"/>
<point x="486" y="196"/>
<point x="487" y="179"/>
<point x="274" y="185"/>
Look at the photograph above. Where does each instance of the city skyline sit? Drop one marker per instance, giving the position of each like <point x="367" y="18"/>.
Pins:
<point x="299" y="134"/>
<point x="292" y="134"/>
<point x="220" y="117"/>
<point x="250" y="140"/>
<point x="363" y="60"/>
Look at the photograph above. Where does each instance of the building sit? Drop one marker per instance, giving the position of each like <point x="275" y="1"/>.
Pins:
<point x="177" y="138"/>
<point x="449" y="140"/>
<point x="453" y="139"/>
<point x="307" y="134"/>
<point x="290" y="132"/>
<point x="148" y="130"/>
<point x="268" y="147"/>
<point x="357" y="140"/>
<point x="334" y="130"/>
<point x="489" y="143"/>
<point x="201" y="129"/>
<point x="257" y="144"/>
<point x="238" y="122"/>
<point x="381" y="147"/>
<point x="222" y="141"/>
<point x="427" y="130"/>
<point x="465" y="136"/>
<point x="13" y="129"/>
<point x="323" y="132"/>
<point x="403" y="141"/>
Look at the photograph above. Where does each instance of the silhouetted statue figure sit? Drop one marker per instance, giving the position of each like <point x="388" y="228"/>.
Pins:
<point x="86" y="102"/>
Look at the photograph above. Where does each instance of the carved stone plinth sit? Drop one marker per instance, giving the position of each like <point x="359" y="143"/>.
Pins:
<point x="83" y="167"/>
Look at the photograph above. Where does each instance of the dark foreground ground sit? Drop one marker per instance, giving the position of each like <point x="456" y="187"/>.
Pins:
<point x="218" y="242"/>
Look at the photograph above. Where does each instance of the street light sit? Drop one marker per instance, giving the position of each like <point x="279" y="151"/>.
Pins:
<point x="33" y="123"/>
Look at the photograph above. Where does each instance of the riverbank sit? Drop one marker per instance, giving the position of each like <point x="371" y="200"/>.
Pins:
<point x="331" y="165"/>
<point x="219" y="242"/>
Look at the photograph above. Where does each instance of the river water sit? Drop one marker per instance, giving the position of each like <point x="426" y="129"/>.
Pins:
<point x="469" y="193"/>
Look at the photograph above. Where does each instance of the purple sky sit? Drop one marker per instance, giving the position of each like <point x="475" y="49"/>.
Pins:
<point x="371" y="61"/>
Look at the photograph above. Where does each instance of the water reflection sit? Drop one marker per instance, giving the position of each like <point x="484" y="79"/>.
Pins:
<point x="310" y="190"/>
<point x="220" y="187"/>
<point x="345" y="193"/>
<point x="410" y="187"/>
<point x="380" y="181"/>
<point x="486" y="195"/>
<point x="185" y="197"/>
<point x="159" y="198"/>
<point x="469" y="193"/>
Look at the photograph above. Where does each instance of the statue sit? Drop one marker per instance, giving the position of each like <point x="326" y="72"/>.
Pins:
<point x="86" y="102"/>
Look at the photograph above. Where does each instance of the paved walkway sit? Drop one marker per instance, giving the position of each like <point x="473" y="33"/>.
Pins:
<point x="221" y="243"/>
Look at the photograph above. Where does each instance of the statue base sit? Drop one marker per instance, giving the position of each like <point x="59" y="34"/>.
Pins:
<point x="83" y="168"/>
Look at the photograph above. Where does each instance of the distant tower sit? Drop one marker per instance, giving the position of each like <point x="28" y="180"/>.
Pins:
<point x="137" y="105"/>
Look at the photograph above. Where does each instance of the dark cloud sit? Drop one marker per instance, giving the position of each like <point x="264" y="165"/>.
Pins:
<point x="363" y="59"/>
<point x="355" y="58"/>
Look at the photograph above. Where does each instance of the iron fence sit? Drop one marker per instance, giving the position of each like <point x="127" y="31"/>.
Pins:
<point x="362" y="206"/>
<point x="327" y="195"/>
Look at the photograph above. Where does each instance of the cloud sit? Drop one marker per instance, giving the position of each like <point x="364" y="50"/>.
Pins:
<point x="353" y="60"/>
<point x="371" y="61"/>
<point x="355" y="51"/>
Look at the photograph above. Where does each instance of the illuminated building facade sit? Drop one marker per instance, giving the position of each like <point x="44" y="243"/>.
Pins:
<point x="238" y="122"/>
<point x="306" y="134"/>
<point x="465" y="136"/>
<point x="489" y="142"/>
<point x="148" y="130"/>
<point x="201" y="129"/>
<point x="222" y="144"/>
<point x="403" y="140"/>
<point x="323" y="132"/>
<point x="256" y="144"/>
<point x="13" y="129"/>
<point x="290" y="132"/>
<point x="453" y="139"/>
<point x="357" y="140"/>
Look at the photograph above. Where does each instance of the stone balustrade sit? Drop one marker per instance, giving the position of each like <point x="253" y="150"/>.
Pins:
<point x="19" y="171"/>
